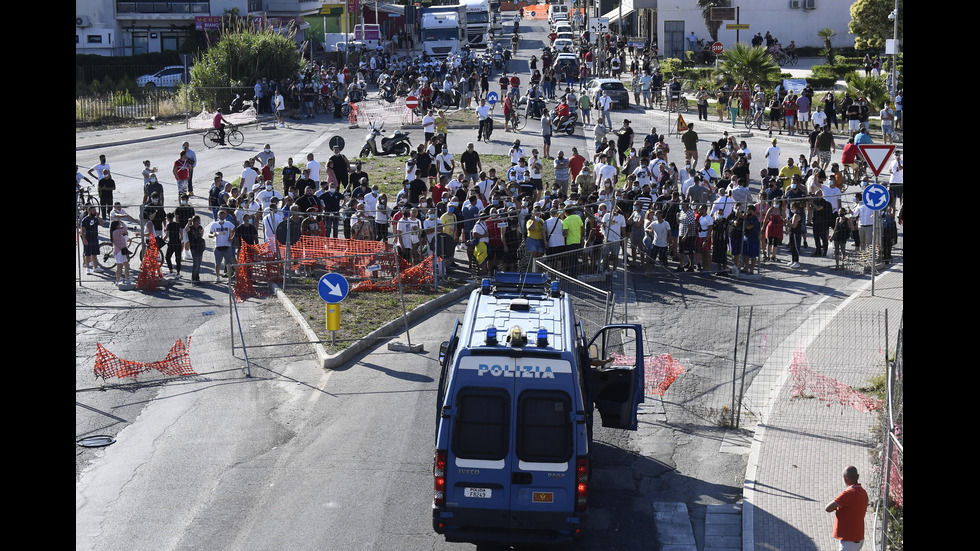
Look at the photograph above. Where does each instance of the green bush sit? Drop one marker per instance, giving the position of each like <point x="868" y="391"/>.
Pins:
<point x="241" y="56"/>
<point x="670" y="65"/>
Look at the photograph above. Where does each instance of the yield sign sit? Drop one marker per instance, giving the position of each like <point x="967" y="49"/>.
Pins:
<point x="876" y="156"/>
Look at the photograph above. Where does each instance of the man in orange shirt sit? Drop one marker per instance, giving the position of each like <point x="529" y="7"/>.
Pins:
<point x="850" y="507"/>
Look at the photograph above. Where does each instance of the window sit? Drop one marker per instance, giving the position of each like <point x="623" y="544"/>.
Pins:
<point x="481" y="428"/>
<point x="544" y="430"/>
<point x="94" y="39"/>
<point x="141" y="43"/>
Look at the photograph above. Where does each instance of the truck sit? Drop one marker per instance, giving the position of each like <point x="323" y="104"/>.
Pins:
<point x="443" y="29"/>
<point x="519" y="384"/>
<point x="477" y="21"/>
<point x="495" y="23"/>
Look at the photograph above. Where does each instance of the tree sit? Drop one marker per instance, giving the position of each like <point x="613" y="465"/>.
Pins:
<point x="750" y="64"/>
<point x="870" y="25"/>
<point x="827" y="35"/>
<point x="241" y="56"/>
<point x="712" y="26"/>
<point x="871" y="88"/>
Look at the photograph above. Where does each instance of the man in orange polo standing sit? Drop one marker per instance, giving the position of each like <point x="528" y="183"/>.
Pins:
<point x="849" y="507"/>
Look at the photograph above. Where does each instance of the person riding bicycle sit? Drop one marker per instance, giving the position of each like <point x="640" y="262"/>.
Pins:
<point x="218" y="123"/>
<point x="790" y="50"/>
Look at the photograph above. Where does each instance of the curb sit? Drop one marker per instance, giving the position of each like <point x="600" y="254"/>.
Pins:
<point x="388" y="330"/>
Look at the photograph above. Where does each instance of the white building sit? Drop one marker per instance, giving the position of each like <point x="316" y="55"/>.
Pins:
<point x="129" y="27"/>
<point x="672" y="21"/>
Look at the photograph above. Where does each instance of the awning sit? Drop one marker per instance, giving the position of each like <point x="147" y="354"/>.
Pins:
<point x="614" y="13"/>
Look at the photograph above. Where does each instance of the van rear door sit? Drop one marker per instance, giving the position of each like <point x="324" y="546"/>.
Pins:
<point x="617" y="382"/>
<point x="512" y="458"/>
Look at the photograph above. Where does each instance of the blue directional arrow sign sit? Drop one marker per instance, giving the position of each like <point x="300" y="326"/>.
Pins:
<point x="875" y="197"/>
<point x="492" y="98"/>
<point x="333" y="288"/>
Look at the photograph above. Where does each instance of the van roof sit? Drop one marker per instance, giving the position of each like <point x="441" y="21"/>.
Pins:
<point x="527" y="303"/>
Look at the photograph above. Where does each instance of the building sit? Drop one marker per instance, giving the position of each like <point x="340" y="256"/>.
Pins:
<point x="130" y="27"/>
<point x="671" y="22"/>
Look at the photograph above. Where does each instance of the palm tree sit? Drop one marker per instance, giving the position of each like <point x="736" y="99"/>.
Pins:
<point x="745" y="63"/>
<point x="828" y="34"/>
<point x="873" y="89"/>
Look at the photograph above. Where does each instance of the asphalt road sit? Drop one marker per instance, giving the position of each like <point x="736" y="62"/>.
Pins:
<point x="298" y="458"/>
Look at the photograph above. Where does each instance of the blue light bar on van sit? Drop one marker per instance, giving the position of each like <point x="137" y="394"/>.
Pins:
<point x="491" y="335"/>
<point x="542" y="337"/>
<point x="555" y="291"/>
<point x="485" y="286"/>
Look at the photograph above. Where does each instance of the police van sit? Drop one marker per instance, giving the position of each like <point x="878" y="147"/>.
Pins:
<point x="518" y="388"/>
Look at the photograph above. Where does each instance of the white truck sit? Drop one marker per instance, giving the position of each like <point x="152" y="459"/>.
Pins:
<point x="443" y="29"/>
<point x="477" y="21"/>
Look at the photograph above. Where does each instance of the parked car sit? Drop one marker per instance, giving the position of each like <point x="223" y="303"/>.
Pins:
<point x="168" y="77"/>
<point x="614" y="88"/>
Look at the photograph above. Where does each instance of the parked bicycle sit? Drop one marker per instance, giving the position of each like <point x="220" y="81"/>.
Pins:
<point x="84" y="199"/>
<point x="107" y="260"/>
<point x="233" y="137"/>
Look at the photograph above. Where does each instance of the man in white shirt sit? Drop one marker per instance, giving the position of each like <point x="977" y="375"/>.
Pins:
<point x="266" y="196"/>
<point x="554" y="234"/>
<point x="613" y="224"/>
<point x="249" y="176"/>
<point x="772" y="159"/>
<point x="895" y="181"/>
<point x="222" y="231"/>
<point x="429" y="125"/>
<point x="314" y="167"/>
<point x="605" y="103"/>
<point x="486" y="123"/>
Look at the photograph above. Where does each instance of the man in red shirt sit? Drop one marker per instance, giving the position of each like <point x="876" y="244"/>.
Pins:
<point x="849" y="154"/>
<point x="182" y="172"/>
<point x="575" y="164"/>
<point x="849" y="507"/>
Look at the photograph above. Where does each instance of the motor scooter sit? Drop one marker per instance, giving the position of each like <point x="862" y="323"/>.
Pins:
<point x="398" y="144"/>
<point x="567" y="126"/>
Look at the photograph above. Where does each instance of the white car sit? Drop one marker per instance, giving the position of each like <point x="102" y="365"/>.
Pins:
<point x="168" y="77"/>
<point x="561" y="43"/>
<point x="613" y="88"/>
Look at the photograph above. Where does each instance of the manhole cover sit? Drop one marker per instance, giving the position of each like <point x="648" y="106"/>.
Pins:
<point x="96" y="441"/>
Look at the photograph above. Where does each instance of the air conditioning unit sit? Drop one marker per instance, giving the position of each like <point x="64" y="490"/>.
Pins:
<point x="794" y="4"/>
<point x="82" y="21"/>
<point x="809" y="4"/>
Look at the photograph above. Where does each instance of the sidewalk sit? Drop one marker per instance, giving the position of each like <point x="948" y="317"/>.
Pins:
<point x="802" y="446"/>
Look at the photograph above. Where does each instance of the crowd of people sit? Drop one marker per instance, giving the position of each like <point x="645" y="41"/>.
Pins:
<point x="626" y="200"/>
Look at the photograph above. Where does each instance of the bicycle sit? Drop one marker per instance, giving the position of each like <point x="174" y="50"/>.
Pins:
<point x="758" y="120"/>
<point x="784" y="58"/>
<point x="84" y="199"/>
<point x="855" y="173"/>
<point x="233" y="137"/>
<point x="107" y="259"/>
<point x="518" y="121"/>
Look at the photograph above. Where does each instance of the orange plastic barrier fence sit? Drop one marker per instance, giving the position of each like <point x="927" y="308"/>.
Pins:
<point x="150" y="269"/>
<point x="660" y="372"/>
<point x="414" y="276"/>
<point x="371" y="260"/>
<point x="896" y="483"/>
<point x="176" y="364"/>
<point x="827" y="389"/>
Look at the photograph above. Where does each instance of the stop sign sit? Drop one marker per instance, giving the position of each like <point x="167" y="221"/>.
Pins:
<point x="717" y="48"/>
<point x="411" y="102"/>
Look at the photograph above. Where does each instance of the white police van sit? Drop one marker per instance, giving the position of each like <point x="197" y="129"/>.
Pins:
<point x="518" y="387"/>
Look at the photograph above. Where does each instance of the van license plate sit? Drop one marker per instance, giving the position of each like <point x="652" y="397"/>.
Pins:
<point x="482" y="493"/>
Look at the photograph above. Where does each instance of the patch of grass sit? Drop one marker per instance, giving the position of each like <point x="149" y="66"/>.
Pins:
<point x="360" y="313"/>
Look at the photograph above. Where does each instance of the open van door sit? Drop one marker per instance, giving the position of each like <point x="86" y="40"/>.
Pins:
<point x="616" y="374"/>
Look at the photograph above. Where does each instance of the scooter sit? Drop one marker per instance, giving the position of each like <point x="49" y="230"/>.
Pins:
<point x="567" y="126"/>
<point x="399" y="144"/>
